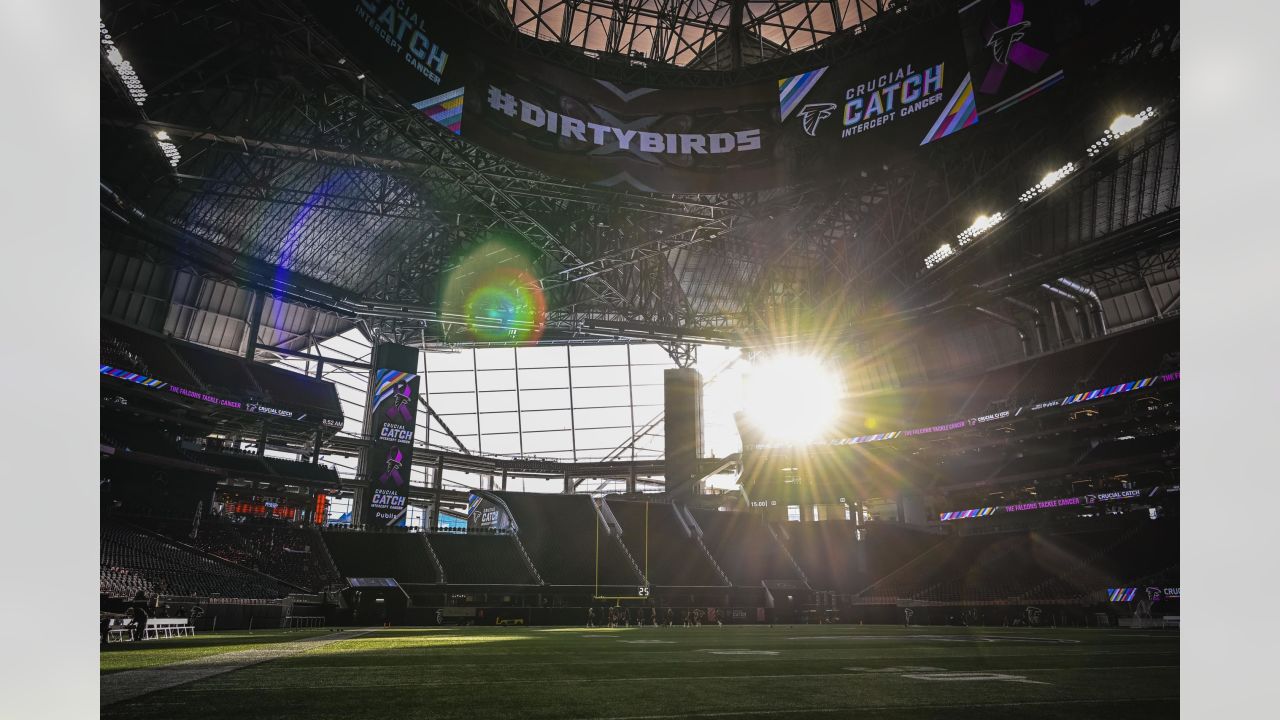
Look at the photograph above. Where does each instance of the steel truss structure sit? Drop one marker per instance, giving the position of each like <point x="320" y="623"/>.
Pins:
<point x="303" y="178"/>
<point x="702" y="34"/>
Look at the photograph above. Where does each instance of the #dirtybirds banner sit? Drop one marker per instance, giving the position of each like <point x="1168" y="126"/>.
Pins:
<point x="393" y="409"/>
<point x="613" y="134"/>
<point x="1016" y="48"/>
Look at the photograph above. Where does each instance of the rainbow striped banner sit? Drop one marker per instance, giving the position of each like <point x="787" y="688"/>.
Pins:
<point x="962" y="514"/>
<point x="386" y="384"/>
<point x="1113" y="390"/>
<point x="960" y="113"/>
<point x="445" y="109"/>
<point x="130" y="376"/>
<point x="1121" y="594"/>
<point x="791" y="90"/>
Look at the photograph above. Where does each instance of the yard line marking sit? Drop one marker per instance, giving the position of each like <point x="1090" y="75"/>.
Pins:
<point x="892" y="669"/>
<point x="811" y="711"/>
<point x="943" y="638"/>
<point x="577" y="681"/>
<point x="963" y="676"/>
<point x="620" y="659"/>
<point x="134" y="683"/>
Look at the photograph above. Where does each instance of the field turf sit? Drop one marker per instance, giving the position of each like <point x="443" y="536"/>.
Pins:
<point x="874" y="672"/>
<point x="133" y="656"/>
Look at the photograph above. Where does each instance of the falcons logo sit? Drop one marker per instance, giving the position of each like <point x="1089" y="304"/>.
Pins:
<point x="813" y="113"/>
<point x="1003" y="39"/>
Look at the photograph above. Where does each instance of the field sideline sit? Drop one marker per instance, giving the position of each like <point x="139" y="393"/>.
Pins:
<point x="653" y="673"/>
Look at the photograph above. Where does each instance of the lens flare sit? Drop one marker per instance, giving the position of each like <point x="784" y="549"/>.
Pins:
<point x="497" y="295"/>
<point x="792" y="398"/>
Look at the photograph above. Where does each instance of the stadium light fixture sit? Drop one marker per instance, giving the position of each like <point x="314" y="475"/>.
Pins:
<point x="791" y="399"/>
<point x="981" y="225"/>
<point x="124" y="69"/>
<point x="168" y="148"/>
<point x="1047" y="182"/>
<point x="1121" y="126"/>
<point x="937" y="256"/>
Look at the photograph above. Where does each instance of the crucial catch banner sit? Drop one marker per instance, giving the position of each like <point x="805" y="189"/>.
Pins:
<point x="890" y="100"/>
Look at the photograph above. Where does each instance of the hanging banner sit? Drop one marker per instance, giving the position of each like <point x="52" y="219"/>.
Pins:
<point x="604" y="133"/>
<point x="485" y="513"/>
<point x="391" y="421"/>
<point x="410" y="46"/>
<point x="1016" y="48"/>
<point x="899" y="94"/>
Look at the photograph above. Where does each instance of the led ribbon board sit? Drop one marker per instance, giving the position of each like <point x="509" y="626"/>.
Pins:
<point x="1122" y="594"/>
<point x="254" y="407"/>
<point x="1077" y="398"/>
<point x="1086" y="500"/>
<point x="1154" y="594"/>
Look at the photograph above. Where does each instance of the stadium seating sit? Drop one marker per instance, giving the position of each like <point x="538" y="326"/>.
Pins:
<point x="970" y="467"/>
<point x="1136" y="354"/>
<point x="262" y="465"/>
<point x="1099" y="363"/>
<point x="195" y="367"/>
<point x="293" y="554"/>
<point x="829" y="553"/>
<point x="560" y="534"/>
<point x="675" y="559"/>
<point x="473" y="559"/>
<point x="992" y="389"/>
<point x="133" y="559"/>
<point x="1060" y="373"/>
<point x="220" y="372"/>
<point x="1040" y="459"/>
<point x="402" y="556"/>
<point x="149" y="352"/>
<point x="123" y="583"/>
<point x="1039" y="565"/>
<point x="294" y="387"/>
<point x="234" y="461"/>
<point x="128" y="434"/>
<point x="1071" y="561"/>
<point x="1136" y="447"/>
<point x="136" y="438"/>
<point x="744" y="547"/>
<point x="302" y="470"/>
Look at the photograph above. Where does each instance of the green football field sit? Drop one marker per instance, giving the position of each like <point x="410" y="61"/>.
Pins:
<point x="722" y="672"/>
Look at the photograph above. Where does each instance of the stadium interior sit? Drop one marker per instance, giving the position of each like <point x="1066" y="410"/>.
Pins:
<point x="379" y="369"/>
